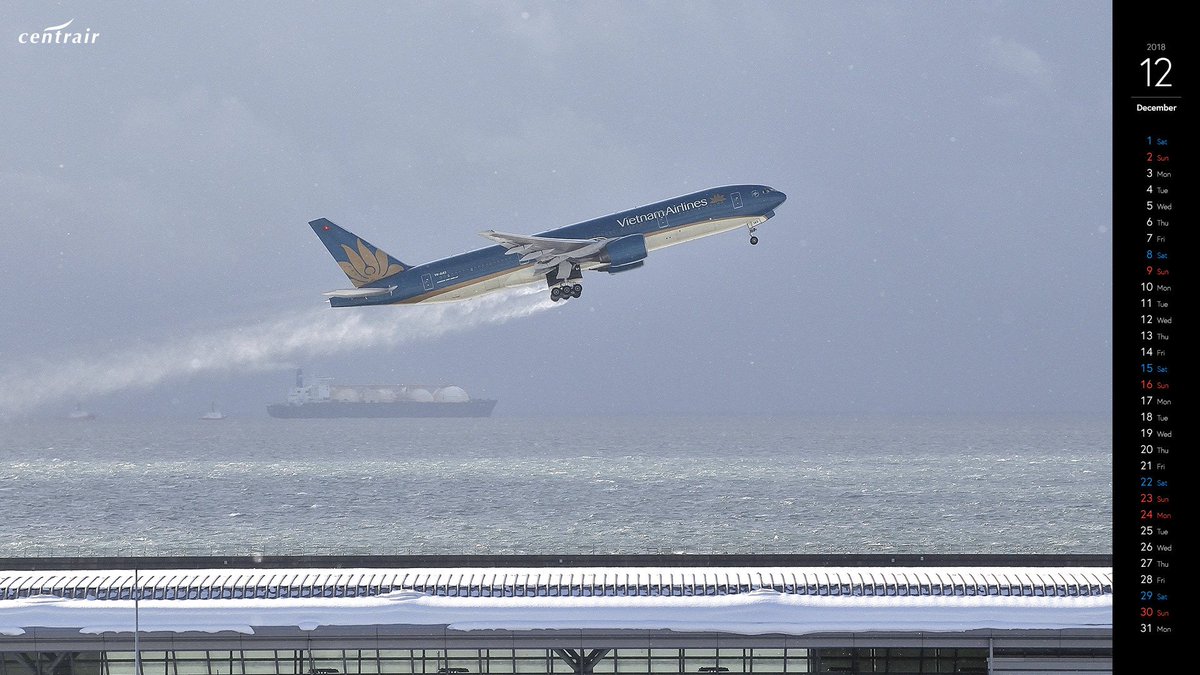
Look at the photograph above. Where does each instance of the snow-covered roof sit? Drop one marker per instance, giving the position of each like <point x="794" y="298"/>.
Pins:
<point x="788" y="600"/>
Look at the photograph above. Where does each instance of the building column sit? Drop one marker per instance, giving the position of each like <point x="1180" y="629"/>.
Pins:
<point x="580" y="661"/>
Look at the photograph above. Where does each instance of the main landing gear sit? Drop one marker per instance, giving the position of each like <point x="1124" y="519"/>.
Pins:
<point x="566" y="292"/>
<point x="564" y="282"/>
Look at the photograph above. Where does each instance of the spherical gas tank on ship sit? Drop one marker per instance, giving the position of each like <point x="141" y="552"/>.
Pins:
<point x="451" y="394"/>
<point x="420" y="395"/>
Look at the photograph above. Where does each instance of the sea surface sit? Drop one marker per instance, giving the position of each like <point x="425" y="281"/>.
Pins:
<point x="832" y="484"/>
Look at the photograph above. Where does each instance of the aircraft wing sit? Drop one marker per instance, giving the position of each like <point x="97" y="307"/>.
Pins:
<point x="548" y="252"/>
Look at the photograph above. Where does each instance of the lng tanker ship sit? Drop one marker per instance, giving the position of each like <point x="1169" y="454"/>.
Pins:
<point x="325" y="400"/>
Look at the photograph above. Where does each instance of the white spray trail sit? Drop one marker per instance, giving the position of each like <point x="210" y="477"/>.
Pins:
<point x="263" y="345"/>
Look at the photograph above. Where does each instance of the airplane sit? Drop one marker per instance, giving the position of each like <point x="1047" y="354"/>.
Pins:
<point x="613" y="243"/>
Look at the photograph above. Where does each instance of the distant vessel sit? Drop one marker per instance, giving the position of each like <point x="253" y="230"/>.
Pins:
<point x="80" y="414"/>
<point x="213" y="414"/>
<point x="325" y="399"/>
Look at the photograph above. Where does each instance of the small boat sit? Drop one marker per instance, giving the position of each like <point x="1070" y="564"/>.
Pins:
<point x="213" y="414"/>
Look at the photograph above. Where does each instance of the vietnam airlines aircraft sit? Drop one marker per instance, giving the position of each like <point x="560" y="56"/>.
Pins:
<point x="611" y="244"/>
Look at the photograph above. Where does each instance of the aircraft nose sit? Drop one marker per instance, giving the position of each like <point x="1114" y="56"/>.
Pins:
<point x="776" y="198"/>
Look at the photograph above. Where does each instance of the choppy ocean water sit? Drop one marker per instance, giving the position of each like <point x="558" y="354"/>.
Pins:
<point x="838" y="484"/>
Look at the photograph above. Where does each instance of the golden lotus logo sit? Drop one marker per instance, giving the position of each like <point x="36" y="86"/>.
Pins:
<point x="364" y="265"/>
<point x="58" y="35"/>
<point x="718" y="198"/>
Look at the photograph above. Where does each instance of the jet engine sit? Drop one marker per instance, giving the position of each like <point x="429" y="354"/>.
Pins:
<point x="623" y="254"/>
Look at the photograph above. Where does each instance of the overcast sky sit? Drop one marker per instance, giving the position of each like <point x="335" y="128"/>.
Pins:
<point x="946" y="244"/>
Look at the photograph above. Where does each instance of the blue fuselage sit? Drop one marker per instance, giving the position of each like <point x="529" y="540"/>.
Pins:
<point x="664" y="223"/>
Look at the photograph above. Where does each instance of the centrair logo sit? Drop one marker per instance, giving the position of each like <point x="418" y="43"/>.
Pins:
<point x="59" y="35"/>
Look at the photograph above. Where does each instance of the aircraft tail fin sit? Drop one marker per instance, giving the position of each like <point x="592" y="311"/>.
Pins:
<point x="364" y="264"/>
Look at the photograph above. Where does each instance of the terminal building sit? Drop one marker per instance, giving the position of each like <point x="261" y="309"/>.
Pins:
<point x="550" y="614"/>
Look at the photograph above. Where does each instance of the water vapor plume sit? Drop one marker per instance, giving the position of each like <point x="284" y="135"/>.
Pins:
<point x="264" y="345"/>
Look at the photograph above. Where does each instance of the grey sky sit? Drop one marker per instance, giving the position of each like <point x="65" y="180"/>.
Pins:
<point x="946" y="243"/>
